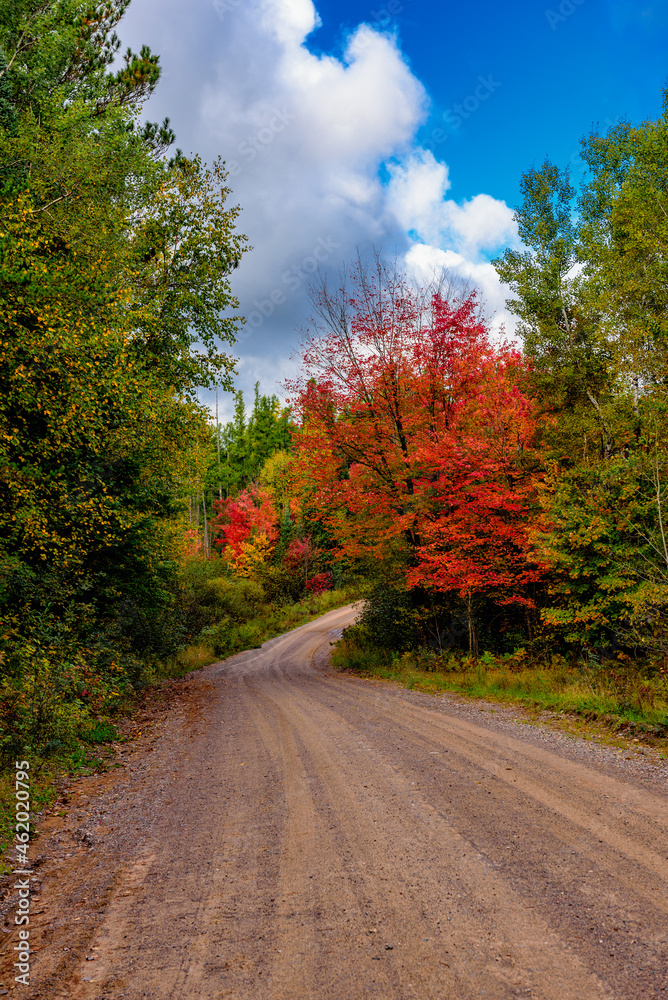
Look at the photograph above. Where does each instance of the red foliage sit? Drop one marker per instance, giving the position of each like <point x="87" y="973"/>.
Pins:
<point x="415" y="437"/>
<point x="192" y="544"/>
<point x="298" y="553"/>
<point x="249" y="514"/>
<point x="319" y="583"/>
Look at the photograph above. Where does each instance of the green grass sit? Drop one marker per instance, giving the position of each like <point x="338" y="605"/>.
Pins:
<point x="45" y="777"/>
<point x="622" y="698"/>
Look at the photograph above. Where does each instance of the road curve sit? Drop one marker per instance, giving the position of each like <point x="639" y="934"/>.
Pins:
<point x="319" y="837"/>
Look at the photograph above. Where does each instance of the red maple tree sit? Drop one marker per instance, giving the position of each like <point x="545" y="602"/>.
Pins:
<point x="248" y="515"/>
<point x="414" y="441"/>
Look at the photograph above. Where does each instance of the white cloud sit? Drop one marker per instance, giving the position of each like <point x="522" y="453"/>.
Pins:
<point x="307" y="137"/>
<point x="417" y="191"/>
<point x="453" y="236"/>
<point x="290" y="20"/>
<point x="417" y="195"/>
<point x="342" y="116"/>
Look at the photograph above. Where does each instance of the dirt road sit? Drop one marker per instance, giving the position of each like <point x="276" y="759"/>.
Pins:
<point x="307" y="836"/>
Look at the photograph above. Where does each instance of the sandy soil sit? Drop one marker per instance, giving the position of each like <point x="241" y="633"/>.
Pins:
<point x="286" y="833"/>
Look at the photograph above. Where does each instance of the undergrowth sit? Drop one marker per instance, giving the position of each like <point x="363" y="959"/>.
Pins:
<point x="227" y="638"/>
<point x="623" y="695"/>
<point x="46" y="774"/>
<point x="238" y="618"/>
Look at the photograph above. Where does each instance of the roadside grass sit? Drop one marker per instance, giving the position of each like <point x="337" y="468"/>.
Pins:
<point x="623" y="698"/>
<point x="220" y="641"/>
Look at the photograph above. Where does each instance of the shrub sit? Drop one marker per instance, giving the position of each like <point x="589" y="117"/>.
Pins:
<point x="240" y="599"/>
<point x="387" y="621"/>
<point x="101" y="732"/>
<point x="281" y="585"/>
<point x="319" y="583"/>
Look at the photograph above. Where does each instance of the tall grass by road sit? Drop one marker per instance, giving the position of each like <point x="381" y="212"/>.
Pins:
<point x="621" y="694"/>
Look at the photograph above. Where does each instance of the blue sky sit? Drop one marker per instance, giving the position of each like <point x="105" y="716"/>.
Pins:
<point x="403" y="125"/>
<point x="556" y="75"/>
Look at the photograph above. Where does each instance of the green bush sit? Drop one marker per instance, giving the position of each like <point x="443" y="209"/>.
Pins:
<point x="101" y="732"/>
<point x="218" y="637"/>
<point x="282" y="586"/>
<point x="196" y="571"/>
<point x="387" y="621"/>
<point x="239" y="599"/>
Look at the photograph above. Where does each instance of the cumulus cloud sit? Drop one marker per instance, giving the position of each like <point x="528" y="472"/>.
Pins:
<point x="309" y="139"/>
<point x="417" y="195"/>
<point x="291" y="21"/>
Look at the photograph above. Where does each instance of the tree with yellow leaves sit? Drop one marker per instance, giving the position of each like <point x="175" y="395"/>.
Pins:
<point x="114" y="264"/>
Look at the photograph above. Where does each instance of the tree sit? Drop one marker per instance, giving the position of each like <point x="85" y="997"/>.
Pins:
<point x="247" y="443"/>
<point x="603" y="534"/>
<point x="482" y="498"/>
<point x="246" y="529"/>
<point x="624" y="239"/>
<point x="414" y="441"/>
<point x="269" y="430"/>
<point x="114" y="262"/>
<point x="571" y="358"/>
<point x="598" y="261"/>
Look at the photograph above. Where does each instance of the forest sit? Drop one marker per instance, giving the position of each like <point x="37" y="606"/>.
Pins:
<point x="498" y="504"/>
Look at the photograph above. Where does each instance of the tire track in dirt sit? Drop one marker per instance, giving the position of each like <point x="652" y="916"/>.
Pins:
<point x="556" y="973"/>
<point x="533" y="759"/>
<point x="646" y="815"/>
<point x="321" y="837"/>
<point x="565" y="865"/>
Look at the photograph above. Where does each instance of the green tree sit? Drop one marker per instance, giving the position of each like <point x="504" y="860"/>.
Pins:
<point x="247" y="442"/>
<point x="572" y="360"/>
<point x="269" y="430"/>
<point x="624" y="243"/>
<point x="590" y="292"/>
<point x="114" y="294"/>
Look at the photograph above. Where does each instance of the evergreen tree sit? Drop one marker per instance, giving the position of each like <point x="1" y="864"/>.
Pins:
<point x="246" y="444"/>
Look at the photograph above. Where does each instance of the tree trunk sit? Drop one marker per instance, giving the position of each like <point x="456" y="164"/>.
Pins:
<point x="220" y="475"/>
<point x="606" y="430"/>
<point x="473" y="638"/>
<point x="207" y="549"/>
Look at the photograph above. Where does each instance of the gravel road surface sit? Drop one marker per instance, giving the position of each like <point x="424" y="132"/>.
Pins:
<point x="295" y="834"/>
